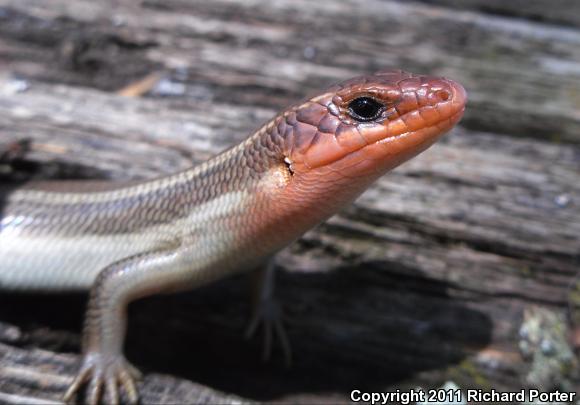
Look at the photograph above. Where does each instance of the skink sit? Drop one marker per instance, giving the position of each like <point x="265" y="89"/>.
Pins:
<point x="229" y="214"/>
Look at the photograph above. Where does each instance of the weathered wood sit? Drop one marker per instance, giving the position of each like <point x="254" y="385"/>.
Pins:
<point x="439" y="272"/>
<point x="565" y="12"/>
<point x="522" y="77"/>
<point x="39" y="377"/>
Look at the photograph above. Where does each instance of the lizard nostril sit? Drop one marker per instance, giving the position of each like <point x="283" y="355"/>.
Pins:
<point x="443" y="95"/>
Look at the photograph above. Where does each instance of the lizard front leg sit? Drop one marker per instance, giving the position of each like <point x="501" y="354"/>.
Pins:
<point x="104" y="366"/>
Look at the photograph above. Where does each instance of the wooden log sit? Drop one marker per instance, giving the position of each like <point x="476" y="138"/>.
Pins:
<point x="39" y="377"/>
<point x="564" y="12"/>
<point x="522" y="76"/>
<point x="457" y="266"/>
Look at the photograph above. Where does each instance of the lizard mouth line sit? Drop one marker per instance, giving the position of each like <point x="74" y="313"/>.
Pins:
<point x="453" y="118"/>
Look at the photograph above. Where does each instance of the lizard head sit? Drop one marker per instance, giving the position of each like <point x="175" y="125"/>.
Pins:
<point x="319" y="155"/>
<point x="370" y="124"/>
<point x="326" y="151"/>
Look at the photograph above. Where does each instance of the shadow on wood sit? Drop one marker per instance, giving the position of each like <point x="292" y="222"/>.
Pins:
<point x="198" y="335"/>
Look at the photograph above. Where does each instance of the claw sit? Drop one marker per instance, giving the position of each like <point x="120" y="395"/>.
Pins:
<point x="284" y="341"/>
<point x="79" y="380"/>
<point x="269" y="316"/>
<point x="128" y="384"/>
<point x="94" y="391"/>
<point x="133" y="371"/>
<point x="112" y="393"/>
<point x="105" y="374"/>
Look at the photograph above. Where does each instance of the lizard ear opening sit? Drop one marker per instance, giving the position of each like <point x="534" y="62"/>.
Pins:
<point x="288" y="164"/>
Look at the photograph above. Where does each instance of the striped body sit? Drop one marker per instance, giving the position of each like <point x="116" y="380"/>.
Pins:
<point x="58" y="240"/>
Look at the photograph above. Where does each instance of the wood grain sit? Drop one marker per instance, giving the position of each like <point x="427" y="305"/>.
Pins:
<point x="439" y="272"/>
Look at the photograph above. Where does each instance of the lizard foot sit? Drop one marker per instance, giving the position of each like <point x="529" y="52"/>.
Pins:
<point x="105" y="373"/>
<point x="269" y="314"/>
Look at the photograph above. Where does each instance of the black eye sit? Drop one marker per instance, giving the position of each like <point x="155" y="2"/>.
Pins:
<point x="365" y="109"/>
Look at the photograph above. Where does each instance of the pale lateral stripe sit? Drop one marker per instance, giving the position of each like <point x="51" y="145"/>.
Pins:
<point x="53" y="262"/>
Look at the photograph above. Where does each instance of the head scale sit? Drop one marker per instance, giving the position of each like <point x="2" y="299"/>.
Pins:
<point x="372" y="122"/>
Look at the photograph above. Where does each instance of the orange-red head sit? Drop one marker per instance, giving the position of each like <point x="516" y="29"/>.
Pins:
<point x="371" y="123"/>
<point x="335" y="144"/>
<point x="320" y="155"/>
